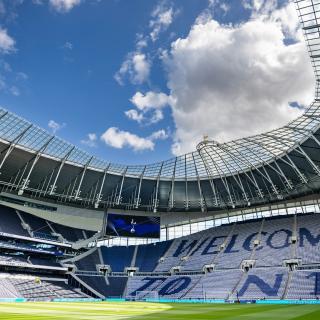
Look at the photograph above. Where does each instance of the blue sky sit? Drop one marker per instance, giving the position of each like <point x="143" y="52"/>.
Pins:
<point x="139" y="81"/>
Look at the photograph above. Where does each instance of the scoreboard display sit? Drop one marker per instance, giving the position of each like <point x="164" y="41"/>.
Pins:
<point x="124" y="225"/>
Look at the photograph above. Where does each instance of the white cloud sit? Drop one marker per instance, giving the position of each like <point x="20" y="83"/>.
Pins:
<point x="15" y="91"/>
<point x="150" y="100"/>
<point x="6" y="42"/>
<point x="55" y="126"/>
<point x="141" y="42"/>
<point x="162" y="17"/>
<point x="234" y="81"/>
<point x="136" y="66"/>
<point x="159" y="135"/>
<point x="156" y="116"/>
<point x="287" y="18"/>
<point x="150" y="103"/>
<point x="90" y="141"/>
<point x="68" y="45"/>
<point x="141" y="68"/>
<point x="134" y="115"/>
<point x="120" y="139"/>
<point x="224" y="7"/>
<point x="64" y="5"/>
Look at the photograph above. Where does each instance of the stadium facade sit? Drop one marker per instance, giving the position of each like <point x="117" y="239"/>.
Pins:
<point x="55" y="201"/>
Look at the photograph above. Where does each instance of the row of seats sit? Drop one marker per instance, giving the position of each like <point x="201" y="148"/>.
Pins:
<point x="45" y="290"/>
<point x="18" y="259"/>
<point x="258" y="283"/>
<point x="33" y="288"/>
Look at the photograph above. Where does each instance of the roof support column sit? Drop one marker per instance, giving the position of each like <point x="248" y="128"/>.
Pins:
<point x="13" y="145"/>
<point x="36" y="158"/>
<point x="186" y="183"/>
<point x="53" y="186"/>
<point x="300" y="174"/>
<point x="139" y="188"/>
<point x="171" y="195"/>
<point x="251" y="179"/>
<point x="281" y="173"/>
<point x="99" y="195"/>
<point x="223" y="179"/>
<point x="121" y="187"/>
<point x="266" y="175"/>
<point x="239" y="183"/>
<point x="292" y="164"/>
<point x="155" y="200"/>
<point x="314" y="166"/>
<point x="216" y="202"/>
<point x="202" y="200"/>
<point x="78" y="191"/>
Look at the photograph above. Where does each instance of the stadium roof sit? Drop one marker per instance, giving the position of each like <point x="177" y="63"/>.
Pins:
<point x="270" y="167"/>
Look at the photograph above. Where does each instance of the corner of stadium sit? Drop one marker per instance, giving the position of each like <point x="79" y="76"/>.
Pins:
<point x="230" y="230"/>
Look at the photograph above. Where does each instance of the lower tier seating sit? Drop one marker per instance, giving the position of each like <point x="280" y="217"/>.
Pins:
<point x="33" y="288"/>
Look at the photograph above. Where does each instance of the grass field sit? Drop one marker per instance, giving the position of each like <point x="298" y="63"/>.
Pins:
<point x="154" y="311"/>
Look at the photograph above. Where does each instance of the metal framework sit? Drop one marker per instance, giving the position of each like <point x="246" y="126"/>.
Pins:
<point x="274" y="166"/>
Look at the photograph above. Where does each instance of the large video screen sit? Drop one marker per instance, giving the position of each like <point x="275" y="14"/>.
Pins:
<point x="123" y="225"/>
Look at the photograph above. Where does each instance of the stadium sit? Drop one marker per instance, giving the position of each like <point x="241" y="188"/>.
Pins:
<point x="239" y="224"/>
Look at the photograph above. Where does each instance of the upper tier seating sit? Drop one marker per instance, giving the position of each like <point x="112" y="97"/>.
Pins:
<point x="45" y="262"/>
<point x="70" y="234"/>
<point x="18" y="259"/>
<point x="37" y="225"/>
<point x="41" y="229"/>
<point x="206" y="249"/>
<point x="10" y="222"/>
<point x="13" y="258"/>
<point x="275" y="241"/>
<point x="234" y="252"/>
<point x="117" y="257"/>
<point x="89" y="262"/>
<point x="308" y="248"/>
<point x="148" y="255"/>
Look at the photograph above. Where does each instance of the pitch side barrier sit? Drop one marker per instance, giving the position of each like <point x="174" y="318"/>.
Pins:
<point x="306" y="301"/>
<point x="76" y="300"/>
<point x="12" y="300"/>
<point x="195" y="301"/>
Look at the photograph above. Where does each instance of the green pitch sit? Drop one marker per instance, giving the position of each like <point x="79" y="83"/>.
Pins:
<point x="154" y="311"/>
